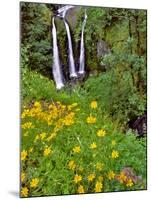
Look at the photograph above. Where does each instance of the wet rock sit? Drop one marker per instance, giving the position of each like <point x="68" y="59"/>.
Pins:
<point x="139" y="124"/>
<point x="102" y="48"/>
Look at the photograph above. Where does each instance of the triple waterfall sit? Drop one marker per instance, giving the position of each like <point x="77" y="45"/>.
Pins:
<point x="56" y="67"/>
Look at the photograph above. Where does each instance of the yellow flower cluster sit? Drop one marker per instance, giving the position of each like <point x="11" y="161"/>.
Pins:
<point x="27" y="125"/>
<point x="24" y="192"/>
<point x="101" y="133"/>
<point x="98" y="186"/>
<point x="91" y="120"/>
<point x="34" y="182"/>
<point x="52" y="136"/>
<point x="42" y="135"/>
<point x="93" y="104"/>
<point x="115" y="154"/>
<point x="129" y="183"/>
<point x="93" y="146"/>
<point x="55" y="111"/>
<point x="125" y="180"/>
<point x="80" y="189"/>
<point x="77" y="149"/>
<point x="77" y="178"/>
<point x="23" y="155"/>
<point x="69" y="119"/>
<point x="111" y="175"/>
<point x="47" y="151"/>
<point x="91" y="177"/>
<point x="55" y="114"/>
<point x="59" y="115"/>
<point x="122" y="177"/>
<point x="71" y="165"/>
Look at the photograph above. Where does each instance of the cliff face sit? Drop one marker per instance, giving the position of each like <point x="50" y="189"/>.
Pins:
<point x="72" y="16"/>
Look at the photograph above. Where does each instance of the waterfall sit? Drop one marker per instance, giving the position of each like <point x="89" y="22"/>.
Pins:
<point x="71" y="59"/>
<point x="62" y="11"/>
<point x="56" y="68"/>
<point x="62" y="14"/>
<point x="82" y="50"/>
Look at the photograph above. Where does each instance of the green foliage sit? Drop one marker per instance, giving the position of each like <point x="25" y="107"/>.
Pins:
<point x="117" y="94"/>
<point x="119" y="89"/>
<point x="35" y="26"/>
<point x="34" y="86"/>
<point x="53" y="169"/>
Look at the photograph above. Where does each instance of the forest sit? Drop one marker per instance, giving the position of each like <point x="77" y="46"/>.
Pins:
<point x="90" y="135"/>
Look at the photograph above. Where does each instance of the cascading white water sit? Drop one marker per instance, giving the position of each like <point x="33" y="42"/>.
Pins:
<point x="56" y="68"/>
<point x="71" y="59"/>
<point x="62" y="13"/>
<point x="82" y="50"/>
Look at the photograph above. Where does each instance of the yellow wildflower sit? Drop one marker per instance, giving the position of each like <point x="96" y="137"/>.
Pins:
<point x="42" y="135"/>
<point x="80" y="189"/>
<point x="30" y="149"/>
<point x="34" y="182"/>
<point x="53" y="135"/>
<point x="77" y="149"/>
<point x="71" y="165"/>
<point x="23" y="155"/>
<point x="93" y="146"/>
<point x="91" y="119"/>
<point x="93" y="104"/>
<point x="98" y="186"/>
<point x="24" y="192"/>
<point x="69" y="119"/>
<point x="23" y="176"/>
<point x="27" y="125"/>
<point x="113" y="142"/>
<point x="77" y="178"/>
<point x="58" y="124"/>
<point x="99" y="166"/>
<point x="129" y="183"/>
<point x="122" y="177"/>
<point x="37" y="104"/>
<point x="115" y="154"/>
<point x="49" y="122"/>
<point x="36" y="138"/>
<point x="47" y="151"/>
<point x="101" y="133"/>
<point x="25" y="113"/>
<point x="91" y="177"/>
<point x="111" y="175"/>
